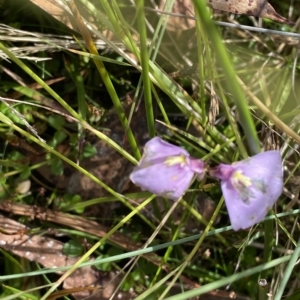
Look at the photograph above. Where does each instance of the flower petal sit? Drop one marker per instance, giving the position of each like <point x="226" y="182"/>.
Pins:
<point x="167" y="181"/>
<point x="166" y="170"/>
<point x="157" y="148"/>
<point x="251" y="187"/>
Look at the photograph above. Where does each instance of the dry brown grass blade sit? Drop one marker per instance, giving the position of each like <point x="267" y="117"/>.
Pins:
<point x="75" y="222"/>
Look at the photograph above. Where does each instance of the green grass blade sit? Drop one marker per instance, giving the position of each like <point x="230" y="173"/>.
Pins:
<point x="287" y="272"/>
<point x="233" y="86"/>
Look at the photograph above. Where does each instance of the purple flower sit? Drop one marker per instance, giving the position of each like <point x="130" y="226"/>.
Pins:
<point x="166" y="170"/>
<point x="250" y="187"/>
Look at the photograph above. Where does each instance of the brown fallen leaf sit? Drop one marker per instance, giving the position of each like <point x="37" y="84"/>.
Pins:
<point x="182" y="7"/>
<point x="255" y="8"/>
<point x="84" y="282"/>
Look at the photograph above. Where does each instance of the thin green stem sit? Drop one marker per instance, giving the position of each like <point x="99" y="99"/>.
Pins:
<point x="233" y="85"/>
<point x="287" y="273"/>
<point x="230" y="279"/>
<point x="145" y="67"/>
<point x="106" y="79"/>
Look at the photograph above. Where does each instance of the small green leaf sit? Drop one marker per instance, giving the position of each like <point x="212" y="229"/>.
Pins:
<point x="76" y="199"/>
<point x="56" y="121"/>
<point x="128" y="283"/>
<point x="137" y="274"/>
<point x="103" y="266"/>
<point x="15" y="155"/>
<point x="57" y="167"/>
<point x="79" y="210"/>
<point x="59" y="137"/>
<point x="72" y="248"/>
<point x="89" y="150"/>
<point x="25" y="173"/>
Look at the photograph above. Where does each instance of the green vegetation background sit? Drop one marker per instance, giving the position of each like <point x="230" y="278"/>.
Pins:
<point x="223" y="93"/>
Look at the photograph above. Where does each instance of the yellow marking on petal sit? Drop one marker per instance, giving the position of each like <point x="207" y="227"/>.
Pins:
<point x="175" y="160"/>
<point x="238" y="177"/>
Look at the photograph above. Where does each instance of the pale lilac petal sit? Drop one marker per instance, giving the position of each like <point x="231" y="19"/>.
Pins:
<point x="170" y="182"/>
<point x="157" y="148"/>
<point x="222" y="171"/>
<point x="262" y="164"/>
<point x="244" y="214"/>
<point x="166" y="170"/>
<point x="251" y="187"/>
